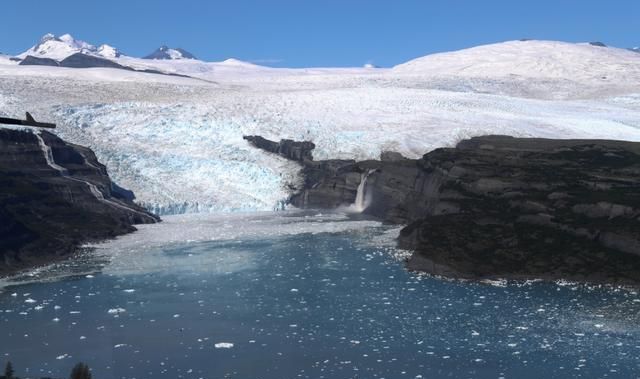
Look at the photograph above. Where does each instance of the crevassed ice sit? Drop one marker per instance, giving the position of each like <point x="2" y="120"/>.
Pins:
<point x="190" y="156"/>
<point x="179" y="159"/>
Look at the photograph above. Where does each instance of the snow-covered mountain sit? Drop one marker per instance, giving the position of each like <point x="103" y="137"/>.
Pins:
<point x="532" y="59"/>
<point x="164" y="52"/>
<point x="177" y="141"/>
<point x="59" y="48"/>
<point x="108" y="51"/>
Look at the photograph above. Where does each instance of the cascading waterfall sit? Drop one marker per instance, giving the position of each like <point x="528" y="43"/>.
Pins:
<point x="48" y="156"/>
<point x="361" y="199"/>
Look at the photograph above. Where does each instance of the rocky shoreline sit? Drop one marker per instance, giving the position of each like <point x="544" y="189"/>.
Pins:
<point x="55" y="197"/>
<point x="495" y="206"/>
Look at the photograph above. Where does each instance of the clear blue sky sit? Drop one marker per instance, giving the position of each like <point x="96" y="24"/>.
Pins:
<point x="299" y="33"/>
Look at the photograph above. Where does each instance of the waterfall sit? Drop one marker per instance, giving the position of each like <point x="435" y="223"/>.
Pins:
<point x="48" y="156"/>
<point x="361" y="196"/>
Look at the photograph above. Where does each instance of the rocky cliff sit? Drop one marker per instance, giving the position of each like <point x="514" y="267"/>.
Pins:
<point x="55" y="196"/>
<point x="296" y="151"/>
<point x="497" y="206"/>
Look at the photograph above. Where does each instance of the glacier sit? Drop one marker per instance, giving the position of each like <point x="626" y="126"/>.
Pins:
<point x="177" y="142"/>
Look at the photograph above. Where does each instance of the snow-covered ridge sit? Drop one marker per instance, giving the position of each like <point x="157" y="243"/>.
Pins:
<point x="58" y="48"/>
<point x="531" y="58"/>
<point x="107" y="51"/>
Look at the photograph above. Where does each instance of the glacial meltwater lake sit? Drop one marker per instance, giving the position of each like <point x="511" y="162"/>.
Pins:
<point x="301" y="295"/>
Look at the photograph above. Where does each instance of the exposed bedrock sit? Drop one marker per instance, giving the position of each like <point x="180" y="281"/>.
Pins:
<point x="501" y="207"/>
<point x="54" y="197"/>
<point x="296" y="151"/>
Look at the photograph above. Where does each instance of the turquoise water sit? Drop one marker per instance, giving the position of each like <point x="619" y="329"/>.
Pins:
<point x="333" y="304"/>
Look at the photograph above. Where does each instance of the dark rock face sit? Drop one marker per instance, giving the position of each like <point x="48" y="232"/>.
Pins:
<point x="597" y="43"/>
<point x="47" y="212"/>
<point x="328" y="184"/>
<point x="79" y="60"/>
<point x="30" y="60"/>
<point x="391" y="156"/>
<point x="504" y="207"/>
<point x="531" y="208"/>
<point x="296" y="151"/>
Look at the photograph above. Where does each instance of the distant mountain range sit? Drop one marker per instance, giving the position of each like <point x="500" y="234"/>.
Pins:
<point x="59" y="48"/>
<point x="66" y="51"/>
<point x="592" y="62"/>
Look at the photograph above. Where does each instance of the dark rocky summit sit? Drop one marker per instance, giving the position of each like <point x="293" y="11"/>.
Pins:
<point x="163" y="53"/>
<point x="501" y="207"/>
<point x="55" y="196"/>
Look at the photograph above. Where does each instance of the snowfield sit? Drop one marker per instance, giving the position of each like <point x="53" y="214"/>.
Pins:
<point x="177" y="142"/>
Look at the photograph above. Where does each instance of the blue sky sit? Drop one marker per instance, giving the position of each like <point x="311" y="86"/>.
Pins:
<point x="316" y="33"/>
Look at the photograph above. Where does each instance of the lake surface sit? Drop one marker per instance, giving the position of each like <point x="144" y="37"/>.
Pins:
<point x="298" y="295"/>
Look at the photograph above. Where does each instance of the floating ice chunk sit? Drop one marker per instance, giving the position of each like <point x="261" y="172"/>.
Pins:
<point x="115" y="311"/>
<point x="129" y="290"/>
<point x="294" y="290"/>
<point x="223" y="345"/>
<point x="63" y="356"/>
<point x="14" y="294"/>
<point x="38" y="307"/>
<point x="30" y="301"/>
<point x="56" y="307"/>
<point x="83" y="337"/>
<point x="56" y="319"/>
<point x="119" y="345"/>
<point x="89" y="276"/>
<point x="176" y="315"/>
